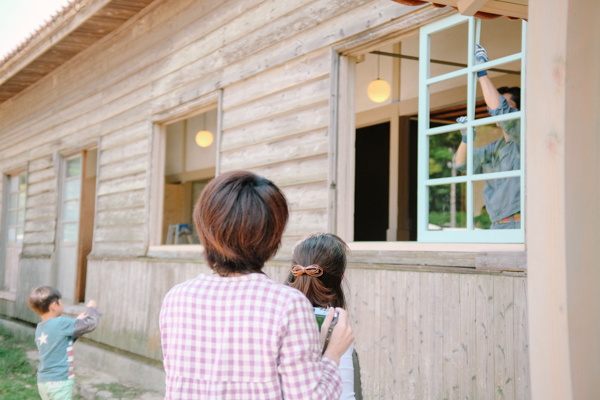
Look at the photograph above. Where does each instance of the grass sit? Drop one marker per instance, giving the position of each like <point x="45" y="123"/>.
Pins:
<point x="18" y="378"/>
<point x="119" y="391"/>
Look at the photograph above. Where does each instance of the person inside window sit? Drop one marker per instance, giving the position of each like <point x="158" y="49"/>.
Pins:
<point x="502" y="196"/>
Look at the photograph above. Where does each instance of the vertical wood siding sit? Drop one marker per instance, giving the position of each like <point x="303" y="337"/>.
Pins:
<point x="419" y="335"/>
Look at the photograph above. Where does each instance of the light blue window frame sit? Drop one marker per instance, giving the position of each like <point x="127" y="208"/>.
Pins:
<point x="469" y="235"/>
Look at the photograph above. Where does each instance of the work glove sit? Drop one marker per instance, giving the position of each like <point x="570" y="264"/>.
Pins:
<point x="462" y="120"/>
<point x="481" y="56"/>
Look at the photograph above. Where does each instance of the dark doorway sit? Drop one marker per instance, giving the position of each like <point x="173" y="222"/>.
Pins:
<point x="371" y="183"/>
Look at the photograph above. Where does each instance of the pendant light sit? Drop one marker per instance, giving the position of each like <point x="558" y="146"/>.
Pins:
<point x="204" y="138"/>
<point x="379" y="90"/>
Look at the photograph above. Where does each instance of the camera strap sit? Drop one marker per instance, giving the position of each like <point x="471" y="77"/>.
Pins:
<point x="328" y="337"/>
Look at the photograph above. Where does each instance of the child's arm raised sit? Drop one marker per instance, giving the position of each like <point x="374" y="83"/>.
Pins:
<point x="87" y="321"/>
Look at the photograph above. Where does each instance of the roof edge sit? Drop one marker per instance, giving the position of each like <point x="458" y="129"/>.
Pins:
<point x="49" y="33"/>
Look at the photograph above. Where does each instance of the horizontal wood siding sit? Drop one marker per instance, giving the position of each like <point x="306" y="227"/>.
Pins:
<point x="419" y="335"/>
<point x="41" y="207"/>
<point x="270" y="56"/>
<point x="121" y="214"/>
<point x="270" y="131"/>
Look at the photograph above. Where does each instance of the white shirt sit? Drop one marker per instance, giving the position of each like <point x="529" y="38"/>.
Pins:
<point x="347" y="373"/>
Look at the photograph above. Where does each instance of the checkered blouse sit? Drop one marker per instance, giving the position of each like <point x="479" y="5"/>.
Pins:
<point x="243" y="337"/>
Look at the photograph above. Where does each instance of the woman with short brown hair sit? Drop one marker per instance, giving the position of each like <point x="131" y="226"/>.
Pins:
<point x="237" y="334"/>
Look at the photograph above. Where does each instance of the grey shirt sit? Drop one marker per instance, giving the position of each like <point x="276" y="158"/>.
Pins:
<point x="87" y="323"/>
<point x="502" y="196"/>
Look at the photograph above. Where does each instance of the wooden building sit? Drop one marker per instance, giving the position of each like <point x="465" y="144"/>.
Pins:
<point x="114" y="115"/>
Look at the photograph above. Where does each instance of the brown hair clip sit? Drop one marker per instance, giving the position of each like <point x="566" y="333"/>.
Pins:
<point x="312" y="270"/>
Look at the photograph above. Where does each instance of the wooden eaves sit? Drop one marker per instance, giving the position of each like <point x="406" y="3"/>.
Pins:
<point x="73" y="29"/>
<point x="485" y="9"/>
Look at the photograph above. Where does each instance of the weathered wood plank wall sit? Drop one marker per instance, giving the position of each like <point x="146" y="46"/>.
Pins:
<point x="272" y="58"/>
<point x="419" y="335"/>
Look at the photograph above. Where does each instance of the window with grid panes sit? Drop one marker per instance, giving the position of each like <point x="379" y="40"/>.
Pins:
<point x="16" y="208"/>
<point x="478" y="199"/>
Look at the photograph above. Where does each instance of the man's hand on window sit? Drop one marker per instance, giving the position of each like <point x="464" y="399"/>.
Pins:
<point x="481" y="56"/>
<point x="463" y="131"/>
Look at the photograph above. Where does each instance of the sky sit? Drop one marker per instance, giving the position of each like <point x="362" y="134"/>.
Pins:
<point x="19" y="18"/>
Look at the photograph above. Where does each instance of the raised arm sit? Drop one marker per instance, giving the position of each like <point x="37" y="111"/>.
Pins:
<point x="87" y="321"/>
<point x="490" y="94"/>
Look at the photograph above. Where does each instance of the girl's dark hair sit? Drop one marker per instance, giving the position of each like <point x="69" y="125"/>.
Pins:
<point x="328" y="252"/>
<point x="515" y="94"/>
<point x="240" y="218"/>
<point x="41" y="297"/>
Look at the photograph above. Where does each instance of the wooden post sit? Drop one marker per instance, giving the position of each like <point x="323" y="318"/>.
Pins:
<point x="563" y="198"/>
<point x="392" y="231"/>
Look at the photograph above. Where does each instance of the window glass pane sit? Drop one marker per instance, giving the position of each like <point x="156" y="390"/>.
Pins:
<point x="12" y="235"/>
<point x="447" y="207"/>
<point x="447" y="101"/>
<point x="442" y="150"/>
<point x="12" y="217"/>
<point x="449" y="46"/>
<point x="19" y="238"/>
<point x="14" y="200"/>
<point x="70" y="232"/>
<point x="21" y="217"/>
<point x="22" y="182"/>
<point x="71" y="211"/>
<point x="497" y="147"/>
<point x="501" y="37"/>
<point x="74" y="167"/>
<point x="22" y="199"/>
<point x="495" y="200"/>
<point x="72" y="189"/>
<point x="507" y="80"/>
<point x="14" y="184"/>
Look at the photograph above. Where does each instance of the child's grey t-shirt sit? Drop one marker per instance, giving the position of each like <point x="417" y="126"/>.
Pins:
<point x="54" y="339"/>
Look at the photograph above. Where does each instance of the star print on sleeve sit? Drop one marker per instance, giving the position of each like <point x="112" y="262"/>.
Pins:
<point x="43" y="339"/>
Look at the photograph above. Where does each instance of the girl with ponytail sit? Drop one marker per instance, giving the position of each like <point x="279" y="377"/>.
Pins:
<point x="318" y="266"/>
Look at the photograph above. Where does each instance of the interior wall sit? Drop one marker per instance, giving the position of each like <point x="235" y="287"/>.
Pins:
<point x="183" y="154"/>
<point x="500" y="37"/>
<point x="197" y="157"/>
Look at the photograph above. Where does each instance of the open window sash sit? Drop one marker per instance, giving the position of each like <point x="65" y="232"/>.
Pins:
<point x="469" y="232"/>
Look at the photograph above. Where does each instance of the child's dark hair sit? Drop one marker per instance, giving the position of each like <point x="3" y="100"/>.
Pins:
<point x="327" y="251"/>
<point x="41" y="297"/>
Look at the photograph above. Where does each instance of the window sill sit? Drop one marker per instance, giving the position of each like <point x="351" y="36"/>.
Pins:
<point x="186" y="251"/>
<point x="8" y="295"/>
<point x="445" y="247"/>
<point x="464" y="256"/>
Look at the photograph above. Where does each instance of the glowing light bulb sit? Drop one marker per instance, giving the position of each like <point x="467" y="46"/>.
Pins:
<point x="204" y="138"/>
<point x="379" y="91"/>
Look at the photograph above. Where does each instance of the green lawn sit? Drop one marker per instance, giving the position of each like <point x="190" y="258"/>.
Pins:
<point x="17" y="376"/>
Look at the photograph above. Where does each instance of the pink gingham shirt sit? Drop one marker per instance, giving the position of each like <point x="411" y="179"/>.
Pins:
<point x="243" y="337"/>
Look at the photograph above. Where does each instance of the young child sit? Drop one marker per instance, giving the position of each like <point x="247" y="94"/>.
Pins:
<point x="54" y="337"/>
<point x="318" y="267"/>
